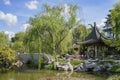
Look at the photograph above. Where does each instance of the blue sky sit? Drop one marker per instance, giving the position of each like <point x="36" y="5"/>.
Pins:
<point x="14" y="14"/>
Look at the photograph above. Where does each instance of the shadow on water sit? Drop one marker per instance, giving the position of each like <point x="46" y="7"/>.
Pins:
<point x="49" y="75"/>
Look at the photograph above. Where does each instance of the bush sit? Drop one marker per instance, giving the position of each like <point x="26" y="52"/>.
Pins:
<point x="7" y="57"/>
<point x="114" y="77"/>
<point x="115" y="68"/>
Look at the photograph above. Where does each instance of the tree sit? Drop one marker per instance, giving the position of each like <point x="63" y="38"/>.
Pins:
<point x="17" y="42"/>
<point x="79" y="33"/>
<point x="50" y="30"/>
<point x="115" y="20"/>
<point x="18" y="37"/>
<point x="4" y="40"/>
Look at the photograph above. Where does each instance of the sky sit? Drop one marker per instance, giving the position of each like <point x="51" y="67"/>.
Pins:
<point x="15" y="14"/>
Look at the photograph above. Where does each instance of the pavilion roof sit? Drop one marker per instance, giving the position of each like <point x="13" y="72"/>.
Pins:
<point x="95" y="37"/>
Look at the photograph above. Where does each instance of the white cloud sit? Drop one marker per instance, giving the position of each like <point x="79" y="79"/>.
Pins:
<point x="10" y="19"/>
<point x="65" y="10"/>
<point x="10" y="34"/>
<point x="25" y="26"/>
<point x="7" y="2"/>
<point x="102" y="24"/>
<point x="32" y="5"/>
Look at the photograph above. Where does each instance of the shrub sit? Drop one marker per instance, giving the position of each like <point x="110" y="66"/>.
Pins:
<point x="7" y="57"/>
<point x="115" y="68"/>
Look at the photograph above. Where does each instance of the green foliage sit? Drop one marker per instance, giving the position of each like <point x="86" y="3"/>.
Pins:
<point x="79" y="33"/>
<point x="50" y="32"/>
<point x="76" y="62"/>
<point x="17" y="42"/>
<point x="7" y="56"/>
<point x="115" y="68"/>
<point x="50" y="66"/>
<point x="115" y="21"/>
<point x="114" y="77"/>
<point x="73" y="62"/>
<point x="18" y="46"/>
<point x="114" y="43"/>
<point x="4" y="40"/>
<point x="18" y="37"/>
<point x="106" y="61"/>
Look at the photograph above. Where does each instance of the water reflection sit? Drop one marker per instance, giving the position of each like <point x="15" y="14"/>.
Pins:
<point x="11" y="79"/>
<point x="65" y="74"/>
<point x="48" y="75"/>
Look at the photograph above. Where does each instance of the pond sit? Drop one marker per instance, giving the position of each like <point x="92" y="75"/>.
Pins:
<point x="48" y="75"/>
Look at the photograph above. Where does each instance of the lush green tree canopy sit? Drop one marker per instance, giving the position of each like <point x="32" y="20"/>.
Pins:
<point x="17" y="42"/>
<point x="50" y="31"/>
<point x="115" y="19"/>
<point x="79" y="33"/>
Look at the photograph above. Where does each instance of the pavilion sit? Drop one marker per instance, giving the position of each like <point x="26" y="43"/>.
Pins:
<point x="94" y="43"/>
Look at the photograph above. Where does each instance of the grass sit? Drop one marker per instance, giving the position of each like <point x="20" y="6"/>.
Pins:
<point x="74" y="62"/>
<point x="114" y="77"/>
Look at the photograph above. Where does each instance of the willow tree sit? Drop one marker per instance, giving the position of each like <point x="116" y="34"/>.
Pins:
<point x="50" y="31"/>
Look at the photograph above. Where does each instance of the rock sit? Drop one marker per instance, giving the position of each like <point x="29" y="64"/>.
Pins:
<point x="64" y="67"/>
<point x="86" y="66"/>
<point x="89" y="65"/>
<point x="80" y="67"/>
<point x="92" y="66"/>
<point x="98" y="68"/>
<point x="107" y="65"/>
<point x="18" y="64"/>
<point x="70" y="67"/>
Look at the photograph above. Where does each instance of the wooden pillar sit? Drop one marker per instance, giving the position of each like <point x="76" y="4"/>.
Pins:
<point x="95" y="51"/>
<point x="88" y="53"/>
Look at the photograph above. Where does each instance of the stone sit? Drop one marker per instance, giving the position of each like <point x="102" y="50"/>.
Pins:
<point x="65" y="67"/>
<point x="18" y="64"/>
<point x="98" y="68"/>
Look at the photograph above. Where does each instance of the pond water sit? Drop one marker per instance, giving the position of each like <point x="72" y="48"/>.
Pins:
<point x="48" y="75"/>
